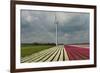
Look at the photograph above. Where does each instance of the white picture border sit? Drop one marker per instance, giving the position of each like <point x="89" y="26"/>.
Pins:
<point x="20" y="65"/>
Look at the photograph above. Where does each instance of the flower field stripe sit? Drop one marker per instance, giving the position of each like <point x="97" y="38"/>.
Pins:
<point x="61" y="55"/>
<point x="52" y="57"/>
<point x="43" y="55"/>
<point x="36" y="55"/>
<point x="77" y="53"/>
<point x="47" y="56"/>
<point x="33" y="55"/>
<point x="57" y="56"/>
<point x="71" y="55"/>
<point x="56" y="53"/>
<point x="65" y="55"/>
<point x="83" y="53"/>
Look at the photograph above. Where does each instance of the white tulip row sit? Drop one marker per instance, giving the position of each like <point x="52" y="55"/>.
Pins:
<point x="56" y="53"/>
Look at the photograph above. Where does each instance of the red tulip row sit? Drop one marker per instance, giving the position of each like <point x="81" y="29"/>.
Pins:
<point x="77" y="53"/>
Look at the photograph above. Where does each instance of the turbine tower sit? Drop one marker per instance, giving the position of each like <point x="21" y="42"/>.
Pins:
<point x="56" y="22"/>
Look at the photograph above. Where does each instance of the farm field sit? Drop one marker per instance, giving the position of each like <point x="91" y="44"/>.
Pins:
<point x="77" y="52"/>
<point x="28" y="49"/>
<point x="58" y="53"/>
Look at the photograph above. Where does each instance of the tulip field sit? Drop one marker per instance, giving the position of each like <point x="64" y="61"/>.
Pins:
<point x="58" y="53"/>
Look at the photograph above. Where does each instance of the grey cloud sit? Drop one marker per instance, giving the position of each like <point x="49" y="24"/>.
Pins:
<point x="38" y="26"/>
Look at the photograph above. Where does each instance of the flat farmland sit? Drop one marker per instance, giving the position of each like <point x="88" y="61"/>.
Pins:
<point x="56" y="53"/>
<point x="77" y="52"/>
<point x="28" y="49"/>
<point x="49" y="53"/>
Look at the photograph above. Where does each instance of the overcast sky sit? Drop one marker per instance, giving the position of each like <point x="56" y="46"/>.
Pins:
<point x="38" y="26"/>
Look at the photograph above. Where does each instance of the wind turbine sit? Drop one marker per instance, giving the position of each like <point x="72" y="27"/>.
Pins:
<point x="56" y="22"/>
